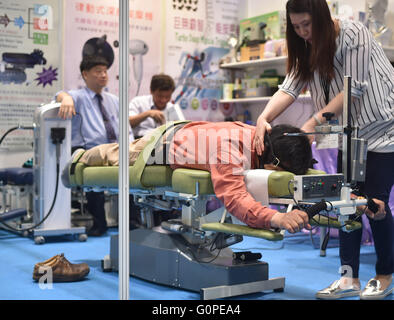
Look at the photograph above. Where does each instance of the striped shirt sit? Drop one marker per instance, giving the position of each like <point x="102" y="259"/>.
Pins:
<point x="358" y="55"/>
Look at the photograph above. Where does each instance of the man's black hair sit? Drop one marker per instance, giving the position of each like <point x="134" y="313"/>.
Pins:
<point x="293" y="152"/>
<point x="162" y="82"/>
<point x="89" y="62"/>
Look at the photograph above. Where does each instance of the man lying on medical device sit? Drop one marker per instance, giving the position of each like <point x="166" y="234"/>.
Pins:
<point x="225" y="150"/>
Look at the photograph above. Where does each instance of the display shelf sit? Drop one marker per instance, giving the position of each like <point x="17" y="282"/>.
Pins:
<point x="246" y="100"/>
<point x="261" y="63"/>
<point x="271" y="62"/>
<point x="258" y="99"/>
<point x="281" y="61"/>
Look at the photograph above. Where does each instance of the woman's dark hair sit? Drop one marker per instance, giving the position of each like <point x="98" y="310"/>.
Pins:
<point x="304" y="58"/>
<point x="293" y="152"/>
<point x="162" y="82"/>
<point x="90" y="62"/>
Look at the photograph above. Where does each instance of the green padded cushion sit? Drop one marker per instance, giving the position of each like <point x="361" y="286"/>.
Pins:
<point x="184" y="180"/>
<point x="76" y="179"/>
<point x="242" y="230"/>
<point x="278" y="182"/>
<point x="107" y="177"/>
<point x="157" y="176"/>
<point x="334" y="223"/>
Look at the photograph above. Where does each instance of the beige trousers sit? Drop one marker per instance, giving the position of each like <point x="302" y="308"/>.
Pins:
<point x="108" y="154"/>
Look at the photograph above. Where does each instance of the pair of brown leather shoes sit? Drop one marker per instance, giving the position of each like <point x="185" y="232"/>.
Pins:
<point x="62" y="270"/>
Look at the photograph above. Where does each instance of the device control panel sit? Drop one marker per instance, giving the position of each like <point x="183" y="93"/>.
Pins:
<point x="317" y="187"/>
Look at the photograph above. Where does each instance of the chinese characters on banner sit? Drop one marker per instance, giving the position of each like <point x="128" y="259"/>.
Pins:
<point x="30" y="60"/>
<point x="94" y="25"/>
<point x="187" y="44"/>
<point x="196" y="39"/>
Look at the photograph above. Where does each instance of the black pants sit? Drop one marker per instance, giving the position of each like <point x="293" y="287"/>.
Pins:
<point x="379" y="180"/>
<point x="95" y="206"/>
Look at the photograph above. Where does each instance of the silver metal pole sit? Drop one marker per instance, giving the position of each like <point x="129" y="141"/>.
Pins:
<point x="346" y="122"/>
<point x="124" y="262"/>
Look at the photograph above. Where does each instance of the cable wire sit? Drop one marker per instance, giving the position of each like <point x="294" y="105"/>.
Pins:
<point x="56" y="188"/>
<point x="49" y="212"/>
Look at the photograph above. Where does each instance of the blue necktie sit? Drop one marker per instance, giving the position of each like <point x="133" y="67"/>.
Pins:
<point x="108" y="127"/>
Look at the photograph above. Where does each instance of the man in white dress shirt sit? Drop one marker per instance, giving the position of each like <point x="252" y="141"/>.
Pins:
<point x="149" y="112"/>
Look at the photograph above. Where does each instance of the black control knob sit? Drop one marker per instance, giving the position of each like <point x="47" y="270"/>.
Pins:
<point x="334" y="186"/>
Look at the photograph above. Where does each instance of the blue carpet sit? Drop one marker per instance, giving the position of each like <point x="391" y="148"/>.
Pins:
<point x="295" y="258"/>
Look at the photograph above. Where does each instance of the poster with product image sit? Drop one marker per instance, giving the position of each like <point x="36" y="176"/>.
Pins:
<point x="30" y="72"/>
<point x="92" y="27"/>
<point x="195" y="41"/>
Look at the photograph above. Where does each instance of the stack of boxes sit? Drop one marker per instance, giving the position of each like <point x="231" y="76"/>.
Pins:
<point x="267" y="42"/>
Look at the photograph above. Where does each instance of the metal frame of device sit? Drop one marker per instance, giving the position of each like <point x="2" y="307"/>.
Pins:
<point x="45" y="159"/>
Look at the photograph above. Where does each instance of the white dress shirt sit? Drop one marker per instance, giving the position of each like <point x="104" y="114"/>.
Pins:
<point x="141" y="104"/>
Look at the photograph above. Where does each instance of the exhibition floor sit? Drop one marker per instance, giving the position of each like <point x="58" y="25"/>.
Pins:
<point x="295" y="258"/>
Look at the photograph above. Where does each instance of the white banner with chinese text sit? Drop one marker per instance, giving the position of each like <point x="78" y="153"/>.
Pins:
<point x="30" y="58"/>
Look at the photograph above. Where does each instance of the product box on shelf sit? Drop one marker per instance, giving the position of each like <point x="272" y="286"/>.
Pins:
<point x="263" y="42"/>
<point x="275" y="29"/>
<point x="252" y="52"/>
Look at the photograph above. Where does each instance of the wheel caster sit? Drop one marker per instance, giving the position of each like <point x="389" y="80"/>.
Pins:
<point x="39" y="240"/>
<point x="82" y="237"/>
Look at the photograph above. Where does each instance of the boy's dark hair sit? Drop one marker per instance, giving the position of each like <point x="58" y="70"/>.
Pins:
<point x="89" y="62"/>
<point x="162" y="82"/>
<point x="294" y="152"/>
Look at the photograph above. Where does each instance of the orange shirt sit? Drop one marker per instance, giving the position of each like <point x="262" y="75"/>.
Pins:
<point x="225" y="150"/>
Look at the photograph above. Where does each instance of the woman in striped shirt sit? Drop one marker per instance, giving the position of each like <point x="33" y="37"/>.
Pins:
<point x="321" y="51"/>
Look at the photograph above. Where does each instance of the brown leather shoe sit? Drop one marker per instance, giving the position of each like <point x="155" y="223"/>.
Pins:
<point x="49" y="261"/>
<point x="62" y="269"/>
